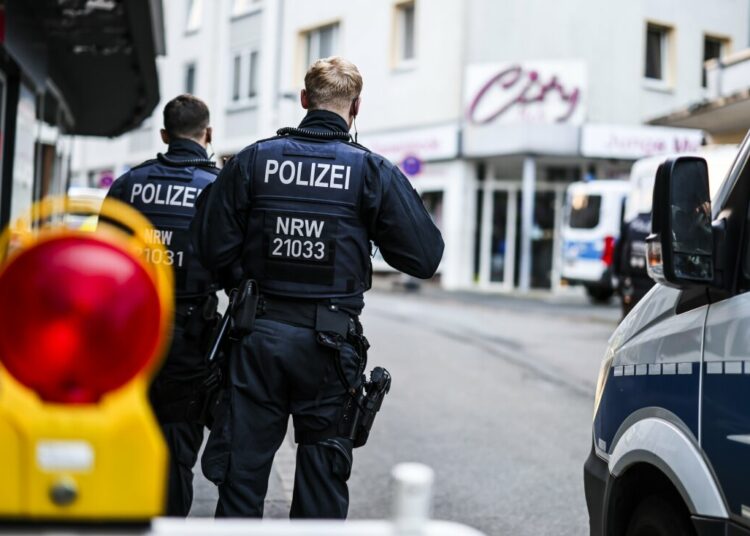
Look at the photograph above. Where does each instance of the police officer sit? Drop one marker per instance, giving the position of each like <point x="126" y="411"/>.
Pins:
<point x="300" y="213"/>
<point x="165" y="190"/>
<point x="633" y="281"/>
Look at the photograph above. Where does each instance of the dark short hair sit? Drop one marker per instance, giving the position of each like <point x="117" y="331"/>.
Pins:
<point x="185" y="116"/>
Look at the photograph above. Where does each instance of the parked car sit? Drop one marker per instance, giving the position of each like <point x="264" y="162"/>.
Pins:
<point x="671" y="434"/>
<point x="593" y="212"/>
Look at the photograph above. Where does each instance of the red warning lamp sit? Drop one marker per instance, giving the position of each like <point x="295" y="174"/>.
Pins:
<point x="80" y="317"/>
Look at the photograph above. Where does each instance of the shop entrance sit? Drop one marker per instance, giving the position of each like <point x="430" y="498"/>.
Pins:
<point x="500" y="237"/>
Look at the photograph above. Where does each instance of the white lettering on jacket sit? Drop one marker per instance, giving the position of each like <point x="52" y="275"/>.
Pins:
<point x="315" y="174"/>
<point x="173" y="195"/>
<point x="299" y="227"/>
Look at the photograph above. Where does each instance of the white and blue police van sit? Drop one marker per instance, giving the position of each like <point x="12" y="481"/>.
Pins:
<point x="671" y="431"/>
<point x="591" y="225"/>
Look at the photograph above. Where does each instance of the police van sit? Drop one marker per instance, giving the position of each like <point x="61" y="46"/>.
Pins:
<point x="592" y="216"/>
<point x="671" y="431"/>
<point x="630" y="261"/>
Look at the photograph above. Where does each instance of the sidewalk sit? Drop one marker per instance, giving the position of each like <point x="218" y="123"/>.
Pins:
<point x="571" y="301"/>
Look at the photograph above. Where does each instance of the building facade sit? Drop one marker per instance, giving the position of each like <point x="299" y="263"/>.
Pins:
<point x="58" y="67"/>
<point x="491" y="108"/>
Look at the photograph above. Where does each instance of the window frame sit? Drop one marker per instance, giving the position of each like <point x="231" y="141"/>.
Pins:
<point x="666" y="44"/>
<point x="191" y="28"/>
<point x="312" y="34"/>
<point x="399" y="61"/>
<point x="192" y="64"/>
<point x="725" y="44"/>
<point x="240" y="79"/>
<point x="252" y="7"/>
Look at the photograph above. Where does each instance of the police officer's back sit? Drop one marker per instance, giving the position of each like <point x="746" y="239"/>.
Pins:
<point x="300" y="212"/>
<point x="165" y="190"/>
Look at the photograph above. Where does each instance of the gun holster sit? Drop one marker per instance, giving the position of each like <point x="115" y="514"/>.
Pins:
<point x="241" y="317"/>
<point x="201" y="320"/>
<point x="334" y="327"/>
<point x="360" y="410"/>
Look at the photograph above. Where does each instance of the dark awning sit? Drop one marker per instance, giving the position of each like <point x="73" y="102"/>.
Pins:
<point x="99" y="55"/>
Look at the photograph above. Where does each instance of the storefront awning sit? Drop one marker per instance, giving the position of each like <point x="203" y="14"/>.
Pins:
<point x="98" y="55"/>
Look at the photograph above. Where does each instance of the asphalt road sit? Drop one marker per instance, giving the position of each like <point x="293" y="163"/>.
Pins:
<point x="495" y="393"/>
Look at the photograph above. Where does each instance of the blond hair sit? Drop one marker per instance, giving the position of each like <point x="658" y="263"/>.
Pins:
<point x="332" y="83"/>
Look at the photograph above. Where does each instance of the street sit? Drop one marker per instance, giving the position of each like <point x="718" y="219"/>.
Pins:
<point x="493" y="392"/>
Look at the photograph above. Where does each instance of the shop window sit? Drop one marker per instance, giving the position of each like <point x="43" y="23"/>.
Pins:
<point x="321" y="42"/>
<point x="405" y="33"/>
<point x="190" y="78"/>
<point x="713" y="48"/>
<point x="194" y="16"/>
<point x="658" y="40"/>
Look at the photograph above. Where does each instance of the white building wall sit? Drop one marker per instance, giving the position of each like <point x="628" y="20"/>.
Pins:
<point x="427" y="92"/>
<point x="610" y="37"/>
<point x="211" y="47"/>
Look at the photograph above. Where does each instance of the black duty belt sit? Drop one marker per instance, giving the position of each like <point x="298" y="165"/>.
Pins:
<point x="297" y="313"/>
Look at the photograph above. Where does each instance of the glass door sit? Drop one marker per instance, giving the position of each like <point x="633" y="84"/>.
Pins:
<point x="498" y="229"/>
<point x="545" y="237"/>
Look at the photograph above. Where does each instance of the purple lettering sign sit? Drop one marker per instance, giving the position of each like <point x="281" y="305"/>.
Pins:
<point x="515" y="87"/>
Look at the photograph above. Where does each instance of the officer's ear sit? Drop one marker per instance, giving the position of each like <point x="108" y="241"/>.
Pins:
<point x="164" y="136"/>
<point x="354" y="109"/>
<point x="209" y="134"/>
<point x="303" y="99"/>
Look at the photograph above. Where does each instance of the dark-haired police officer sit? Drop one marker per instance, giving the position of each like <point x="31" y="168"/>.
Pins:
<point x="299" y="212"/>
<point x="165" y="190"/>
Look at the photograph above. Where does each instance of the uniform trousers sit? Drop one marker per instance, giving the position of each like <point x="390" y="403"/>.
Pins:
<point x="277" y="371"/>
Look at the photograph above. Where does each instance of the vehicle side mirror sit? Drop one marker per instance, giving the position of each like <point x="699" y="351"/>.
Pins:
<point x="681" y="246"/>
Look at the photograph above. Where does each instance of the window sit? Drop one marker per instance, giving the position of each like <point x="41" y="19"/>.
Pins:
<point x="242" y="7"/>
<point x="584" y="211"/>
<point x="657" y="51"/>
<point x="245" y="81"/>
<point x="194" y="15"/>
<point x="252" y="78"/>
<point x="190" y="78"/>
<point x="236" y="78"/>
<point x="713" y="48"/>
<point x="321" y="43"/>
<point x="405" y="33"/>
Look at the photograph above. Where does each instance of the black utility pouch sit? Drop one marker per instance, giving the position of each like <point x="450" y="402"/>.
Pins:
<point x="244" y="314"/>
<point x="331" y="319"/>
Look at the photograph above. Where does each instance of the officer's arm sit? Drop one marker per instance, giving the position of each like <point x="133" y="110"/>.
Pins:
<point x="218" y="229"/>
<point x="116" y="191"/>
<point x="398" y="222"/>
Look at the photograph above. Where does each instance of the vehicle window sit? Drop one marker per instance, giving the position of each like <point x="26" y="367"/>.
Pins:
<point x="584" y="211"/>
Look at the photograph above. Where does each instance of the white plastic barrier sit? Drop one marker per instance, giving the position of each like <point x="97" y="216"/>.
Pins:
<point x="412" y="502"/>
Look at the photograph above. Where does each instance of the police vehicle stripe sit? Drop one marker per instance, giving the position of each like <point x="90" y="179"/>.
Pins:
<point x="668" y="369"/>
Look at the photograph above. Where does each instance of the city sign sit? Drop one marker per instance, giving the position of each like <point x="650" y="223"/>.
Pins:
<point x="526" y="92"/>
